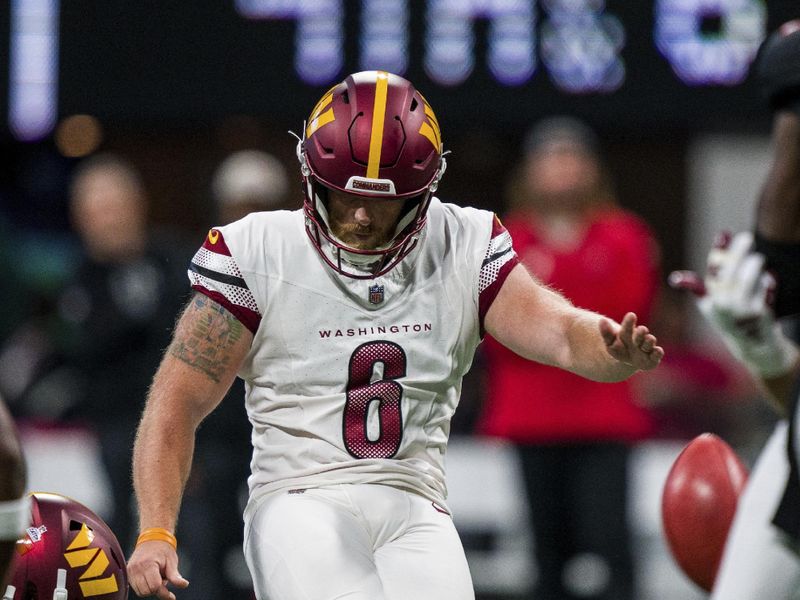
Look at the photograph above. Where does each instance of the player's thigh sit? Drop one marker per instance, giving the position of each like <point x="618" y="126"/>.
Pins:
<point x="756" y="563"/>
<point x="427" y="562"/>
<point x="310" y="546"/>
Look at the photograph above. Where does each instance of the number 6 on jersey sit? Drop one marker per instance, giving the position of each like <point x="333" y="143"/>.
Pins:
<point x="362" y="392"/>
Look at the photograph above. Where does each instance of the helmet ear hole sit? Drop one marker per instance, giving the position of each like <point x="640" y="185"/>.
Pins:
<point x="75" y="525"/>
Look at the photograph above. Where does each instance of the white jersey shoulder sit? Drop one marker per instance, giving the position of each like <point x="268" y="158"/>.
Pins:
<point x="352" y="381"/>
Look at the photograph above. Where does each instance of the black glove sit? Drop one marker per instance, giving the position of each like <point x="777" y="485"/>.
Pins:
<point x="777" y="67"/>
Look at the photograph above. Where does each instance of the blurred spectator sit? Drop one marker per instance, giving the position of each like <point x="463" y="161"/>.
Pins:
<point x="249" y="181"/>
<point x="118" y="311"/>
<point x="574" y="435"/>
<point x="82" y="353"/>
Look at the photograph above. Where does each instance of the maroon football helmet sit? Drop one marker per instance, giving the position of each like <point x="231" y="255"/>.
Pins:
<point x="371" y="135"/>
<point x="70" y="550"/>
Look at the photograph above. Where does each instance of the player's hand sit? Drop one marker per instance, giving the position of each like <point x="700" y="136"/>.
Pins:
<point x="736" y="286"/>
<point x="735" y="297"/>
<point x="152" y="567"/>
<point x="631" y="344"/>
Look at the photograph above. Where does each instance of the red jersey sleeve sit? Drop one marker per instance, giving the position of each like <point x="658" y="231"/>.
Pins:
<point x="497" y="264"/>
<point x="215" y="273"/>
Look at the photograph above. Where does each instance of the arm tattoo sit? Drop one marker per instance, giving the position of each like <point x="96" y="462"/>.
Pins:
<point x="204" y="339"/>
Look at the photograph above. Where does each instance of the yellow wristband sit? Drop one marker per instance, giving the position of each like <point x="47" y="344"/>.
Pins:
<point x="157" y="534"/>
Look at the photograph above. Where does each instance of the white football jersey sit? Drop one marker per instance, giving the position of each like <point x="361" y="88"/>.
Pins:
<point x="354" y="381"/>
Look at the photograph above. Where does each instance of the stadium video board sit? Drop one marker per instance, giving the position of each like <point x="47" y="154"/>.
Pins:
<point x="658" y="63"/>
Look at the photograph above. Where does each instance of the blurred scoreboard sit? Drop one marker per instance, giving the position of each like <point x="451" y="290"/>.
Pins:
<point x="649" y="65"/>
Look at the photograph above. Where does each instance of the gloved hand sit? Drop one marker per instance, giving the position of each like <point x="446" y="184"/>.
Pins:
<point x="735" y="297"/>
<point x="777" y="67"/>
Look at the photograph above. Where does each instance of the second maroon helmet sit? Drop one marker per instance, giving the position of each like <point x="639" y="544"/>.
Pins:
<point x="371" y="135"/>
<point x="69" y="549"/>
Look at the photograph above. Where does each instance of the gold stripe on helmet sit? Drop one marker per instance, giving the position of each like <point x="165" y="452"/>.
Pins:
<point x="430" y="128"/>
<point x="79" y="554"/>
<point x="98" y="587"/>
<point x="319" y="118"/>
<point x="378" y="115"/>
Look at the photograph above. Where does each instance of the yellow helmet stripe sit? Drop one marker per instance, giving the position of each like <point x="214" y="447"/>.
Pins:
<point x="97" y="567"/>
<point x="430" y="129"/>
<point x="378" y="116"/>
<point x="319" y="118"/>
<point x="78" y="558"/>
<point x="83" y="539"/>
<point x="98" y="587"/>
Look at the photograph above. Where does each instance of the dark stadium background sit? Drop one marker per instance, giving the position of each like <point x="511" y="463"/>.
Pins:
<point x="176" y="86"/>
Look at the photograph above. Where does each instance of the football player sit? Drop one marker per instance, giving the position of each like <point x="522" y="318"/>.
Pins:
<point x="352" y="322"/>
<point x="751" y="280"/>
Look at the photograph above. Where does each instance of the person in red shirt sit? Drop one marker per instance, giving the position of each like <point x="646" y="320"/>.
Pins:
<point x="573" y="434"/>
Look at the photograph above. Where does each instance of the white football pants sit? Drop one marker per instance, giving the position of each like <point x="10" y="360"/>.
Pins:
<point x="757" y="564"/>
<point x="354" y="542"/>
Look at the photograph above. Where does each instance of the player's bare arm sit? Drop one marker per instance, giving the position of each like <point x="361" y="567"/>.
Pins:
<point x="205" y="346"/>
<point x="778" y="211"/>
<point x="208" y="346"/>
<point x="540" y="324"/>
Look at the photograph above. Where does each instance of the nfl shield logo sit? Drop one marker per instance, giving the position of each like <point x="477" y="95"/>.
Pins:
<point x="375" y="294"/>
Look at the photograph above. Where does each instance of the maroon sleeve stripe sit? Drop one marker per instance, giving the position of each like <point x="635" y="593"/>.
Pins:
<point x="498" y="262"/>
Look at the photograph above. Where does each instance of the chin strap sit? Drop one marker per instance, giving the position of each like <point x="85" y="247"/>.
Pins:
<point x="60" y="593"/>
